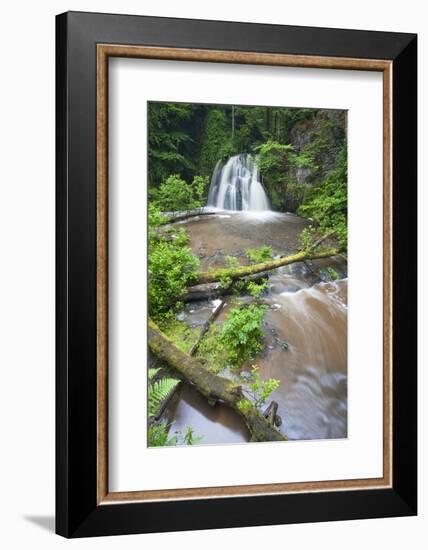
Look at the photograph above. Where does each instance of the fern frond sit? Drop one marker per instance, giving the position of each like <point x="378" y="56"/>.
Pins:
<point x="159" y="391"/>
<point x="153" y="373"/>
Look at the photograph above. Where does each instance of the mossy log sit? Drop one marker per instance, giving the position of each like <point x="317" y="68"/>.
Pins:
<point x="244" y="271"/>
<point x="211" y="386"/>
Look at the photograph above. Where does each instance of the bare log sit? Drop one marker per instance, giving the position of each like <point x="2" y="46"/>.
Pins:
<point x="175" y="217"/>
<point x="271" y="411"/>
<point x="210" y="291"/>
<point x="211" y="386"/>
<point x="244" y="271"/>
<point x="215" y="313"/>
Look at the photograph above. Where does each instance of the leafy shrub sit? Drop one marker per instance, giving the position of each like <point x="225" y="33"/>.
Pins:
<point x="307" y="238"/>
<point x="259" y="255"/>
<point x="244" y="405"/>
<point x="200" y="186"/>
<point x="331" y="273"/>
<point x="273" y="158"/>
<point x="258" y="389"/>
<point x="155" y="217"/>
<point x="171" y="267"/>
<point x="242" y="332"/>
<point x="257" y="289"/>
<point x="213" y="350"/>
<point x="327" y="204"/>
<point x="175" y="194"/>
<point x="157" y="436"/>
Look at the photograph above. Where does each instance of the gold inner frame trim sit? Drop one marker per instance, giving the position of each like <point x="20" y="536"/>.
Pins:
<point x="104" y="51"/>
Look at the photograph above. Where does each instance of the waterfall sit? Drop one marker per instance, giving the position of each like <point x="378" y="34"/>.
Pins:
<point x="237" y="185"/>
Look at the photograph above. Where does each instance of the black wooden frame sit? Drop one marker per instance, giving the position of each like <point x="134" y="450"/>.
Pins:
<point x="77" y="513"/>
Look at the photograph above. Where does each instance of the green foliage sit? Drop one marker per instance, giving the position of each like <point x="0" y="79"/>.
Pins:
<point x="303" y="160"/>
<point x="225" y="279"/>
<point x="158" y="392"/>
<point x="327" y="204"/>
<point x="170" y="139"/>
<point x="175" y="194"/>
<point x="273" y="158"/>
<point x="171" y="267"/>
<point x="153" y="372"/>
<point x="155" y="217"/>
<point x="215" y="139"/>
<point x="189" y="437"/>
<point x="214" y="351"/>
<point x="232" y="262"/>
<point x="200" y="186"/>
<point x="253" y="288"/>
<point x="256" y="289"/>
<point x="236" y="341"/>
<point x="276" y="162"/>
<point x="242" y="332"/>
<point x="157" y="436"/>
<point x="244" y="405"/>
<point x="332" y="274"/>
<point x="258" y="389"/>
<point x="259" y="255"/>
<point x="307" y="238"/>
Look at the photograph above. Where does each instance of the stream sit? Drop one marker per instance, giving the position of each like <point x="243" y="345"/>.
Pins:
<point x="305" y="342"/>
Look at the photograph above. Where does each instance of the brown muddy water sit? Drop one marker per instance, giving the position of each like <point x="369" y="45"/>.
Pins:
<point x="305" y="342"/>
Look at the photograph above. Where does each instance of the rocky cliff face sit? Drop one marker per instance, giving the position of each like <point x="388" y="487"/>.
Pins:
<point x="317" y="142"/>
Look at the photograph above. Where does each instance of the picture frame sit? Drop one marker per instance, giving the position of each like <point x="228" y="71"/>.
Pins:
<point x="84" y="44"/>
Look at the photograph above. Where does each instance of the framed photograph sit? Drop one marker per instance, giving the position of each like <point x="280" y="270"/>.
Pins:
<point x="236" y="274"/>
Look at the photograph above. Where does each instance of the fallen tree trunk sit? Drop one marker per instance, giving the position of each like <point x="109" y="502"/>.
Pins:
<point x="181" y="216"/>
<point x="211" y="386"/>
<point x="209" y="291"/>
<point x="215" y="313"/>
<point x="239" y="272"/>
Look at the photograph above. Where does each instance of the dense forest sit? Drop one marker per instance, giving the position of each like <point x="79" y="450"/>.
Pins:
<point x="300" y="156"/>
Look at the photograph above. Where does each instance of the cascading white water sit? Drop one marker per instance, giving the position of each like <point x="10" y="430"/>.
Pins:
<point x="237" y="185"/>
